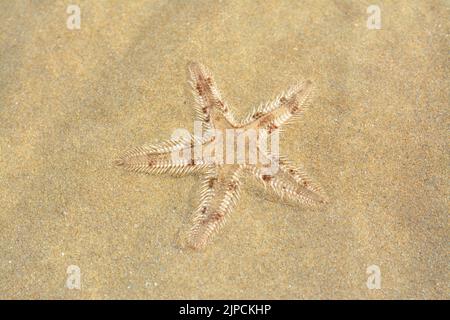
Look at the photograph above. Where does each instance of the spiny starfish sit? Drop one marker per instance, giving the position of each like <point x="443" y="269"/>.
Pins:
<point x="221" y="183"/>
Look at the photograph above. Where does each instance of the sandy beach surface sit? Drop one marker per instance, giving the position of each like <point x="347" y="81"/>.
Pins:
<point x="375" y="138"/>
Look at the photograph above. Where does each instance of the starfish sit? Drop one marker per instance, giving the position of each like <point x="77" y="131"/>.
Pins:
<point x="221" y="182"/>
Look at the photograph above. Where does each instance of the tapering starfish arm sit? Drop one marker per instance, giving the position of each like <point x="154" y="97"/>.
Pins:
<point x="209" y="106"/>
<point x="284" y="108"/>
<point x="289" y="182"/>
<point x="175" y="157"/>
<point x="219" y="194"/>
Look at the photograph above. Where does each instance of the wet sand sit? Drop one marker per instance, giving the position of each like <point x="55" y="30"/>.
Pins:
<point x="375" y="138"/>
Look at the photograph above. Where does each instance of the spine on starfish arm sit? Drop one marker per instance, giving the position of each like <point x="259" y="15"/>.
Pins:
<point x="159" y="158"/>
<point x="284" y="109"/>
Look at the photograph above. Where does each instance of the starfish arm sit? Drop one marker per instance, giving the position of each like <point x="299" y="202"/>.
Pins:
<point x="289" y="183"/>
<point x="172" y="156"/>
<point x="219" y="194"/>
<point x="209" y="104"/>
<point x="285" y="108"/>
